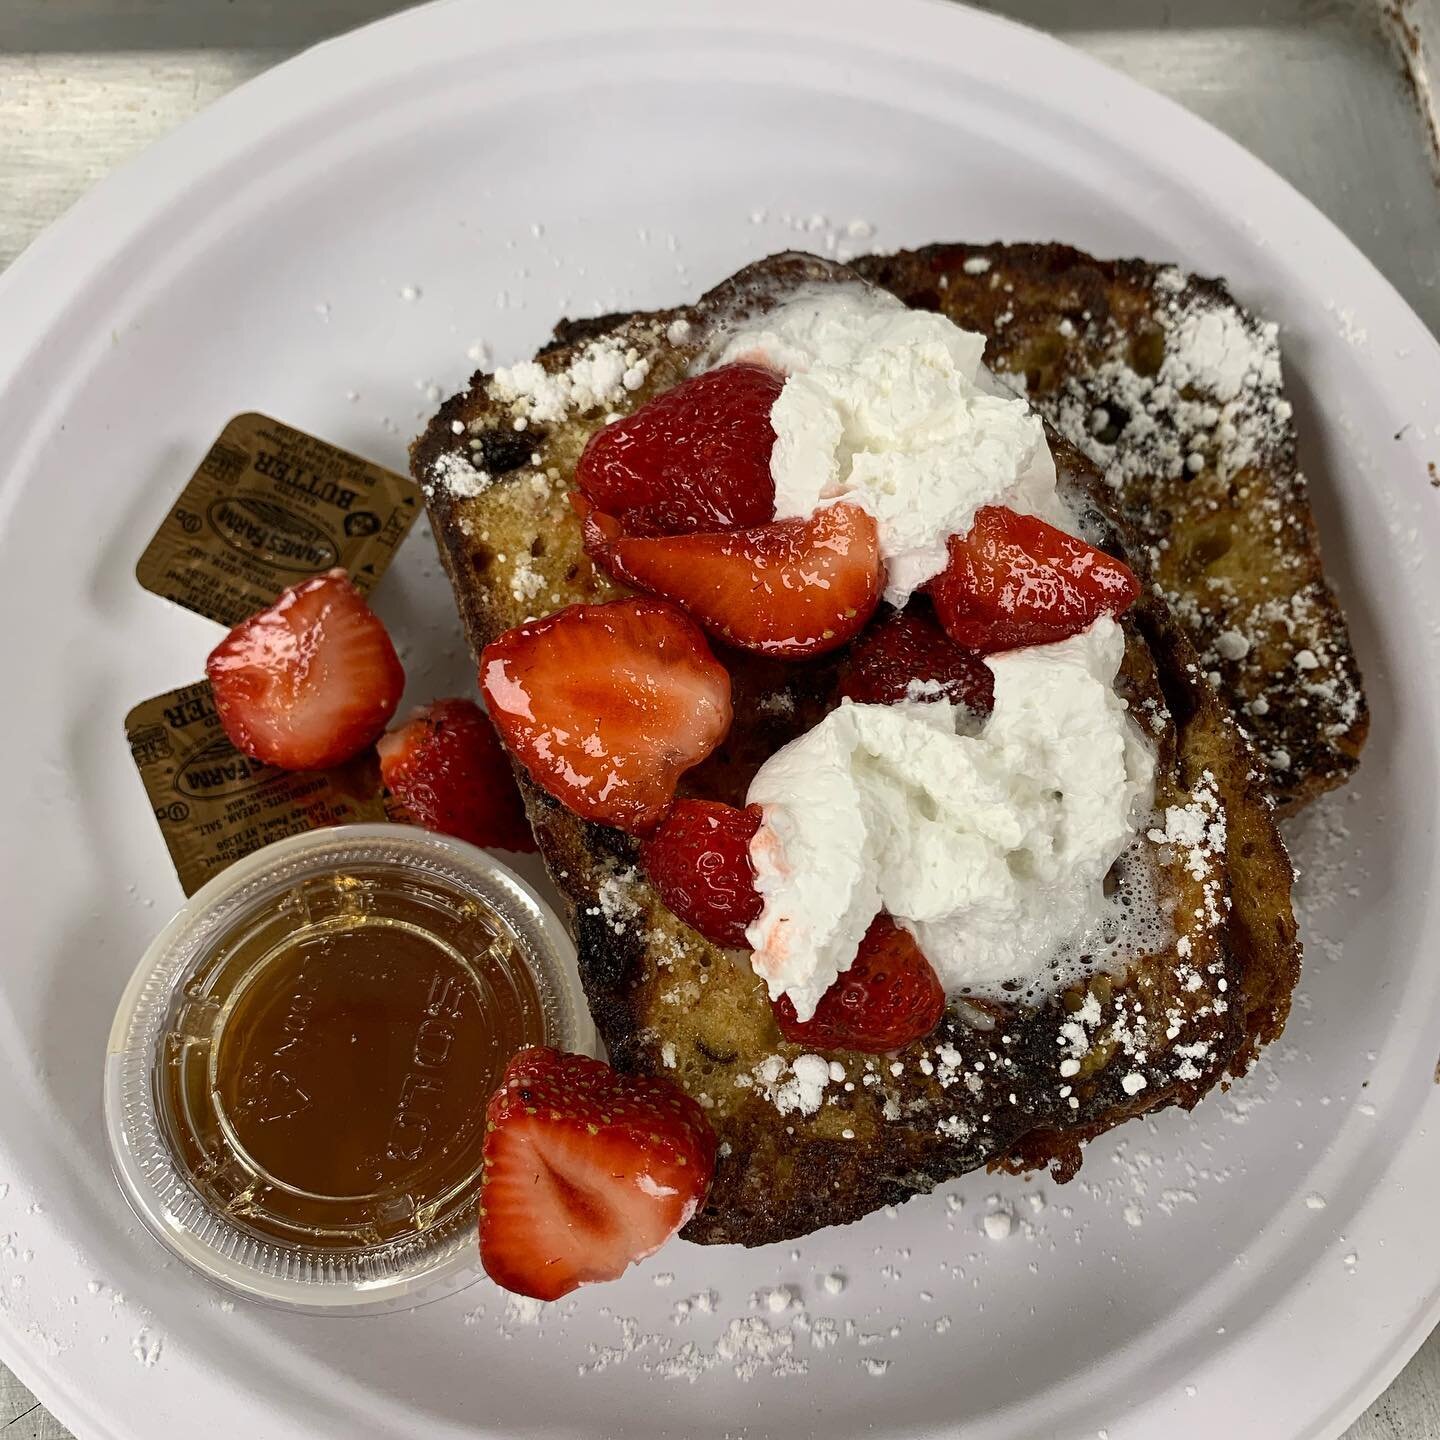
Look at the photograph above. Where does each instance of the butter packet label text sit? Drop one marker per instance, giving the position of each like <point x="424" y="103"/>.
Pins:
<point x="268" y="507"/>
<point x="214" y="804"/>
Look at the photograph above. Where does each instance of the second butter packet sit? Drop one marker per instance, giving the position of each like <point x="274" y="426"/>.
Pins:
<point x="270" y="506"/>
<point x="214" y="805"/>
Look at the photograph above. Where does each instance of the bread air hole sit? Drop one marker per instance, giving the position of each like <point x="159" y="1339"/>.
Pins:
<point x="1147" y="352"/>
<point x="1208" y="549"/>
<point x="1109" y="422"/>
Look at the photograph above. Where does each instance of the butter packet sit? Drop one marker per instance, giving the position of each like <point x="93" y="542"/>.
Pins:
<point x="268" y="507"/>
<point x="214" y="804"/>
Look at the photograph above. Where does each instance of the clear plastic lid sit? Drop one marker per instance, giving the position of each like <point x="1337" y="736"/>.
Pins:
<point x="297" y="1074"/>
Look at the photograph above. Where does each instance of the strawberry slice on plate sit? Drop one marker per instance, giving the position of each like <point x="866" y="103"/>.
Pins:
<point x="606" y="706"/>
<point x="1015" y="580"/>
<point x="791" y="588"/>
<point x="699" y="861"/>
<point x="447" y="767"/>
<point x="309" y="682"/>
<point x="909" y="657"/>
<point x="888" y="997"/>
<point x="585" y="1171"/>
<point x="694" y="458"/>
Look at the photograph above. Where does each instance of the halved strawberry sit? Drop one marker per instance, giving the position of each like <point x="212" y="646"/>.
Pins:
<point x="885" y="664"/>
<point x="890" y="996"/>
<point x="608" y="705"/>
<point x="699" y="861"/>
<point x="695" y="458"/>
<point x="1014" y="580"/>
<point x="586" y="1171"/>
<point x="598" y="531"/>
<point x="447" y="767"/>
<point x="310" y="681"/>
<point x="790" y="588"/>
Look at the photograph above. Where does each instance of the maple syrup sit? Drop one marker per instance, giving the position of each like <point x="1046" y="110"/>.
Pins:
<point x="324" y="1077"/>
<point x="297" y="1075"/>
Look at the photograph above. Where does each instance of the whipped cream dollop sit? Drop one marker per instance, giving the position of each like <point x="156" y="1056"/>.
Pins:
<point x="891" y="409"/>
<point x="990" y="841"/>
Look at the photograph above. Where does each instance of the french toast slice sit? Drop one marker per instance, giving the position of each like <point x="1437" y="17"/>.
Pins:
<point x="1176" y="392"/>
<point x="1009" y="1086"/>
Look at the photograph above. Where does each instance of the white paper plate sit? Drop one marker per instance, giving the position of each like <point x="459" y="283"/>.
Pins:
<point x="513" y="163"/>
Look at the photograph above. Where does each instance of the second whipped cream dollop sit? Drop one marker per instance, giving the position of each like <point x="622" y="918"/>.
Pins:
<point x="990" y="843"/>
<point x="891" y="409"/>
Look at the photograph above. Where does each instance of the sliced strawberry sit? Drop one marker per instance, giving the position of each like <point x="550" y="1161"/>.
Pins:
<point x="890" y="996"/>
<point x="447" y="767"/>
<point x="699" y="861"/>
<point x="311" y="681"/>
<point x="608" y="705"/>
<point x="695" y="458"/>
<point x="791" y="588"/>
<point x="1015" y="580"/>
<point x="586" y="1171"/>
<point x="598" y="531"/>
<point x="885" y="664"/>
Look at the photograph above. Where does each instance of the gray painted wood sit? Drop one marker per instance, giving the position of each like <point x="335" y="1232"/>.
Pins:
<point x="88" y="83"/>
<point x="22" y="1417"/>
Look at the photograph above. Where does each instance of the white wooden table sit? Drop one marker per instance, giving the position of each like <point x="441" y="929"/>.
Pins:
<point x="84" y="84"/>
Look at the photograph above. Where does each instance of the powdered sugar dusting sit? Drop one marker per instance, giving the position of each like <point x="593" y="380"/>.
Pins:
<point x="1215" y="394"/>
<point x="599" y="377"/>
<point x="1198" y="401"/>
<point x="617" y="902"/>
<point x="1197" y="830"/>
<point x="453" y="472"/>
<point x="526" y="582"/>
<point x="790" y="1086"/>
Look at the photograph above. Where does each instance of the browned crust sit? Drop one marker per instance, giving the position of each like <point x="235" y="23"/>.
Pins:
<point x="666" y="1001"/>
<point x="1236" y="552"/>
